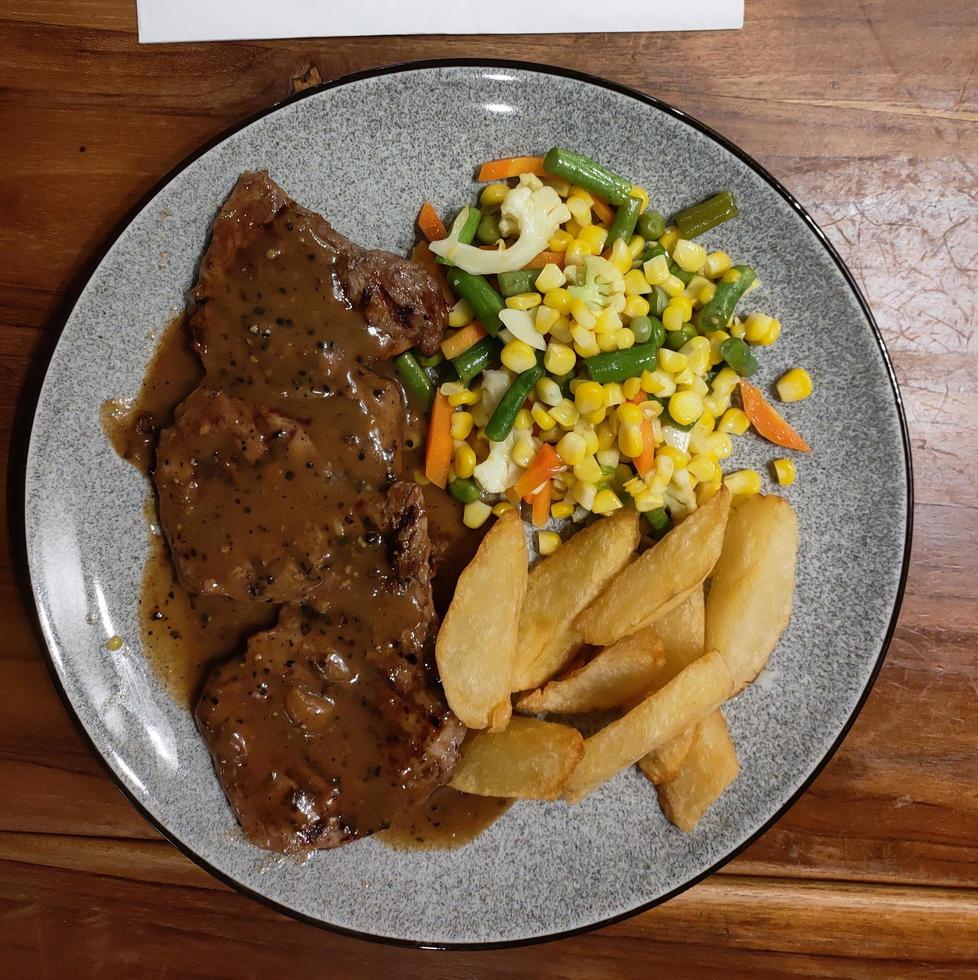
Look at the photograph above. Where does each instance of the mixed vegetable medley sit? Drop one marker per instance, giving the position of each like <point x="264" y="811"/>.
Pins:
<point x="595" y="351"/>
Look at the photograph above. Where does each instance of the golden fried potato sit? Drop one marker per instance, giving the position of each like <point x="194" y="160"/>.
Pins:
<point x="476" y="644"/>
<point x="751" y="591"/>
<point x="681" y="631"/>
<point x="694" y="693"/>
<point x="662" y="765"/>
<point x="615" y="675"/>
<point x="660" y="579"/>
<point x="560" y="587"/>
<point x="710" y="767"/>
<point x="530" y="760"/>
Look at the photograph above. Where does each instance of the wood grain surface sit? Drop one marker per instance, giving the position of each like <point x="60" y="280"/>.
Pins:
<point x="867" y="110"/>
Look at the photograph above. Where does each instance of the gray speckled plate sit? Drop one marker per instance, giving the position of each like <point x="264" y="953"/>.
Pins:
<point x="366" y="151"/>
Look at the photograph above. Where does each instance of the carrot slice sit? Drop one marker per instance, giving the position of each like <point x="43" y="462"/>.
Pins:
<point x="603" y="210"/>
<point x="426" y="258"/>
<point x="438" y="452"/>
<point x="644" y="462"/>
<point x="511" y="167"/>
<point x="513" y="497"/>
<point x="766" y="420"/>
<point x="543" y="466"/>
<point x="432" y="227"/>
<point x="545" y="258"/>
<point x="463" y="339"/>
<point x="541" y="504"/>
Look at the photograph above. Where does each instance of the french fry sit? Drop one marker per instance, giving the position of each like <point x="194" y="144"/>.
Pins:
<point x="681" y="631"/>
<point x="662" y="765"/>
<point x="694" y="693"/>
<point x="615" y="675"/>
<point x="710" y="767"/>
<point x="560" y="587"/>
<point x="750" y="598"/>
<point x="476" y="644"/>
<point x="530" y="760"/>
<point x="661" y="579"/>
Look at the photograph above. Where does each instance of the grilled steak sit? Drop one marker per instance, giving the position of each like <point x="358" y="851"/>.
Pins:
<point x="279" y="482"/>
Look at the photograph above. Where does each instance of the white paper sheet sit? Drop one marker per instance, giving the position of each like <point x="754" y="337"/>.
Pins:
<point x="229" y="20"/>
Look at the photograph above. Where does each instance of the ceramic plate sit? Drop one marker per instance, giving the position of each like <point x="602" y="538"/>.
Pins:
<point x="365" y="151"/>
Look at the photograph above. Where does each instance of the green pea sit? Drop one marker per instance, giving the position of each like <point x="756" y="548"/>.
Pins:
<point x="676" y="338"/>
<point x="641" y="326"/>
<point x="651" y="225"/>
<point x="466" y="491"/>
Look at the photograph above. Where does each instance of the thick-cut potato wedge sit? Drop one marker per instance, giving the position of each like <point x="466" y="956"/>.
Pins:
<point x="530" y="760"/>
<point x="662" y="765"/>
<point x="681" y="631"/>
<point x="710" y="767"/>
<point x="693" y="694"/>
<point x="615" y="675"/>
<point x="661" y="579"/>
<point x="476" y="644"/>
<point x="751" y="591"/>
<point x="560" y="587"/>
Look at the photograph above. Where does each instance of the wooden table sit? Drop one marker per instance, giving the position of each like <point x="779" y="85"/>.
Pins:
<point x="868" y="111"/>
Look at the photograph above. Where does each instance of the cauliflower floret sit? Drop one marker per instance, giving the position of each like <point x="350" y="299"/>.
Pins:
<point x="537" y="214"/>
<point x="497" y="472"/>
<point x="598" y="284"/>
<point x="494" y="385"/>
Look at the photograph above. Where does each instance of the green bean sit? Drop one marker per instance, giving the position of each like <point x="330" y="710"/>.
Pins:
<point x="486" y="303"/>
<point x="681" y="274"/>
<point x="700" y="218"/>
<point x="619" y="365"/>
<point x="641" y="326"/>
<point x="717" y="313"/>
<point x="520" y="281"/>
<point x="465" y="491"/>
<point x="738" y="356"/>
<point x="415" y="380"/>
<point x="481" y="355"/>
<point x="433" y="361"/>
<point x="563" y="380"/>
<point x="488" y="231"/>
<point x="472" y="219"/>
<point x="658" y="332"/>
<point x="676" y="338"/>
<point x="501" y="423"/>
<point x="624" y="224"/>
<point x="659" y="520"/>
<point x="651" y="225"/>
<point x="658" y="301"/>
<point x="584" y="172"/>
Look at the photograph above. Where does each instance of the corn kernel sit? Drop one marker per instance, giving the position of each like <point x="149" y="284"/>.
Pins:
<point x="630" y="440"/>
<point x="551" y="435"/>
<point x="646" y="501"/>
<point x="720" y="444"/>
<point x="784" y="471"/>
<point x="658" y="382"/>
<point x="585" y="195"/>
<point x="629" y="414"/>
<point x="596" y="418"/>
<point x="565" y="414"/>
<point x="492" y="195"/>
<point x="743" y="482"/>
<point x="595" y="236"/>
<point x="704" y="467"/>
<point x="548" y="541"/>
<point x="560" y="240"/>
<point x="641" y="193"/>
<point x="756" y="327"/>
<point x="635" y="283"/>
<point x="584" y="494"/>
<point x="551" y="277"/>
<point x="685" y="304"/>
<point x="518" y="356"/>
<point x="561" y="510"/>
<point x="608" y="321"/>
<point x="589" y="396"/>
<point x="706" y="423"/>
<point x="572" y="448"/>
<point x="558" y="299"/>
<point x="734" y="420"/>
<point x="665" y="466"/>
<point x="585" y="344"/>
<point x="461" y="425"/>
<point x="559" y="358"/>
<point x="613" y="393"/>
<point x="737" y="328"/>
<point x="606" y="436"/>
<point x="463" y="460"/>
<point x="697" y="351"/>
<point x="582" y="314"/>
<point x="503" y="507"/>
<point x="580" y="207"/>
<point x="703" y="294"/>
<point x="673" y="285"/>
<point x="685" y="377"/>
<point x="716" y="339"/>
<point x="795" y="385"/>
<point x="685" y="407"/>
<point x="771" y="337"/>
<point x="689" y="256"/>
<point x="573" y="228"/>
<point x="656" y="270"/>
<point x="577" y="252"/>
<point x="677" y="456"/>
<point x="725" y="381"/>
<point x="624" y="339"/>
<point x="607" y="341"/>
<point x="590" y="437"/>
<point x="588" y="470"/>
<point x="605" y="502"/>
<point x="636" y="306"/>
<point x="524" y="449"/>
<point x="731" y="276"/>
<point x="548" y="391"/>
<point x="523" y="301"/>
<point x="476" y="514"/>
<point x="561" y="329"/>
<point x="672" y="317"/>
<point x="636" y="245"/>
<point x="621" y="257"/>
<point x="672" y="361"/>
<point x="669" y="237"/>
<point x="542" y="418"/>
<point x="544" y="319"/>
<point x="450" y="388"/>
<point x="631" y="387"/>
<point x="716" y="264"/>
<point x="460" y="314"/>
<point x="608" y="457"/>
<point x="464" y="398"/>
<point x="524" y="420"/>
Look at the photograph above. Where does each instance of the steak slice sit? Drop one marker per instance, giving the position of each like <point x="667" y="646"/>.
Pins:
<point x="331" y="723"/>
